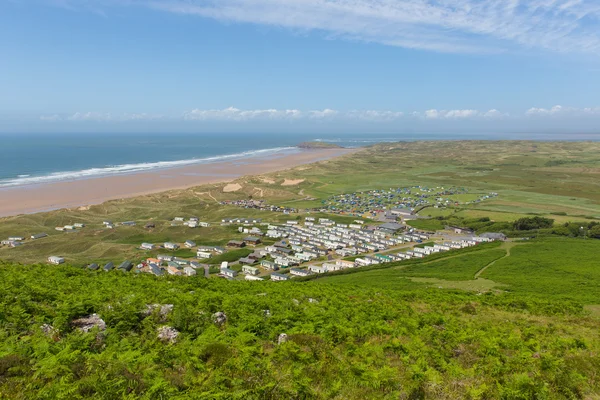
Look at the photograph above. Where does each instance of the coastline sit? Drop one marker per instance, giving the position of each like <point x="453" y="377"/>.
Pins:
<point x="30" y="199"/>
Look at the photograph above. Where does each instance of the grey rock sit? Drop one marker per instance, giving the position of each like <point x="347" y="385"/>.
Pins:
<point x="219" y="318"/>
<point x="168" y="334"/>
<point x="88" y="323"/>
<point x="282" y="338"/>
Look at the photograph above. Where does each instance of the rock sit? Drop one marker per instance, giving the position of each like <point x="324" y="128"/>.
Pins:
<point x="311" y="300"/>
<point x="163" y="310"/>
<point x="282" y="338"/>
<point x="49" y="330"/>
<point x="219" y="318"/>
<point x="168" y="334"/>
<point x="88" y="323"/>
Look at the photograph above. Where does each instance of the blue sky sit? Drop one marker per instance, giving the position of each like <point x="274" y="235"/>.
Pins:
<point x="298" y="65"/>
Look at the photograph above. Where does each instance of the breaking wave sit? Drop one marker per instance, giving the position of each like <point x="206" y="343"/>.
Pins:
<point x="22" y="180"/>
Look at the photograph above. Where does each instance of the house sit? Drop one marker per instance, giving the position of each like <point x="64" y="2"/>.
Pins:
<point x="390" y="227"/>
<point x="269" y="265"/>
<point x="128" y="223"/>
<point x="56" y="260"/>
<point x="204" y="224"/>
<point x="126" y="266"/>
<point x="252" y="240"/>
<point x="279" y="277"/>
<point x="156" y="270"/>
<point x="108" y="266"/>
<point x="105" y="223"/>
<point x="171" y="246"/>
<point x="39" y="236"/>
<point x="93" y="266"/>
<point x="253" y="278"/>
<point x="459" y="230"/>
<point x="60" y="228"/>
<point x="16" y="238"/>
<point x="147" y="246"/>
<point x="219" y="250"/>
<point x="228" y="273"/>
<point x="153" y="261"/>
<point x="494" y="236"/>
<point x="299" y="272"/>
<point x="189" y="271"/>
<point x="189" y="244"/>
<point x="163" y="257"/>
<point x="345" y="264"/>
<point x="203" y="254"/>
<point x="247" y="260"/>
<point x="173" y="270"/>
<point x="79" y="225"/>
<point x="246" y="269"/>
<point x="317" y="269"/>
<point x="180" y="261"/>
<point x="236" y="243"/>
<point x="224" y="265"/>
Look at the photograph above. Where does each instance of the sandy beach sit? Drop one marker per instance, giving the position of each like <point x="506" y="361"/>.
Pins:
<point x="69" y="194"/>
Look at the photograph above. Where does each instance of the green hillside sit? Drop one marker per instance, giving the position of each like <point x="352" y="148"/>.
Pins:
<point x="365" y="335"/>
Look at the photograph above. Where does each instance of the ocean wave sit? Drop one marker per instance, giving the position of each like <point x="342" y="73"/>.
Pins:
<point x="23" y="180"/>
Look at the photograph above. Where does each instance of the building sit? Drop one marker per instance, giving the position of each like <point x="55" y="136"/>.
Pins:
<point x="236" y="243"/>
<point x="147" y="246"/>
<point x="109" y="266"/>
<point x="203" y="254"/>
<point x="156" y="270"/>
<point x="253" y="278"/>
<point x="269" y="265"/>
<point x="228" y="273"/>
<point x="247" y="260"/>
<point x="171" y="246"/>
<point x="300" y="272"/>
<point x="189" y="271"/>
<point x="39" y="236"/>
<point x="345" y="263"/>
<point x="126" y="266"/>
<point x="163" y="257"/>
<point x="56" y="260"/>
<point x="189" y="244"/>
<point x="391" y="227"/>
<point x="252" y="240"/>
<point x="246" y="269"/>
<point x="317" y="269"/>
<point x="128" y="223"/>
<point x="279" y="277"/>
<point x="494" y="236"/>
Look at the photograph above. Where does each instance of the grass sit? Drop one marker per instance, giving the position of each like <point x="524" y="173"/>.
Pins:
<point x="457" y="269"/>
<point x="562" y="269"/>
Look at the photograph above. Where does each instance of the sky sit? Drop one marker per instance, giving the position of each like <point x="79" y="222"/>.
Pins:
<point x="299" y="66"/>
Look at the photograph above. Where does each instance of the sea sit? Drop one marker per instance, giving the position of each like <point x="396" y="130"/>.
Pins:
<point x="27" y="159"/>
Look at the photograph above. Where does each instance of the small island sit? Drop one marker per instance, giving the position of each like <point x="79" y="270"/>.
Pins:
<point x="319" y="145"/>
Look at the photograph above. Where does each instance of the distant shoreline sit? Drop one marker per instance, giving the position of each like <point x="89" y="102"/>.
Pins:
<point x="84" y="192"/>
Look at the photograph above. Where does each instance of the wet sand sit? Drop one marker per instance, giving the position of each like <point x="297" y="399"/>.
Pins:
<point x="69" y="194"/>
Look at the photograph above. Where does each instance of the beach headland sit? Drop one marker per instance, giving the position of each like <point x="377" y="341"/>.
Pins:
<point x="29" y="199"/>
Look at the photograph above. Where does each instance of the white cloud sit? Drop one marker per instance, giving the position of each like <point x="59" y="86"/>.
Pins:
<point x="375" y="115"/>
<point x="326" y="113"/>
<point x="450" y="114"/>
<point x="438" y="25"/>
<point x="236" y="114"/>
<point x="90" y="116"/>
<point x="562" y="111"/>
